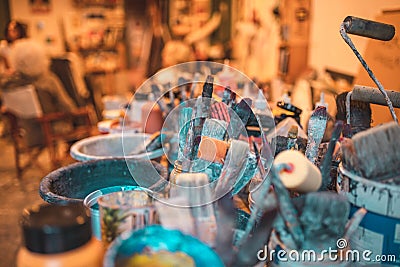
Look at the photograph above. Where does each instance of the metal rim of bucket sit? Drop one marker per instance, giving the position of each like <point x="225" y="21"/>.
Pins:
<point x="91" y="199"/>
<point x="362" y="195"/>
<point x="45" y="183"/>
<point x="78" y="155"/>
<point x="365" y="181"/>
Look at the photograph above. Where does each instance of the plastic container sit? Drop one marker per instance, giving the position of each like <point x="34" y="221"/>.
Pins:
<point x="58" y="235"/>
<point x="112" y="146"/>
<point x="134" y="109"/>
<point x="90" y="202"/>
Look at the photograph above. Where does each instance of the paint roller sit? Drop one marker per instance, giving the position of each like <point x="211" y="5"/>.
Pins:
<point x="368" y="28"/>
<point x="374" y="30"/>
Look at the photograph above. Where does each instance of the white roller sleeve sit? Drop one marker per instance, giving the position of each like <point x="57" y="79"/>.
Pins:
<point x="304" y="176"/>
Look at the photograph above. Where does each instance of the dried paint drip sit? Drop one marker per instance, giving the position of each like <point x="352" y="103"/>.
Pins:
<point x="343" y="32"/>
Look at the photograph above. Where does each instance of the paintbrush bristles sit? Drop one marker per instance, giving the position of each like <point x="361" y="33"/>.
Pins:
<point x="372" y="153"/>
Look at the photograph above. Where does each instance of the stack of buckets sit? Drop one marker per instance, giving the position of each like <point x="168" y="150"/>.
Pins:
<point x="379" y="231"/>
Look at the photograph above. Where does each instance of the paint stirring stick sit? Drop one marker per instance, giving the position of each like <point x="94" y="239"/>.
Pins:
<point x="316" y="130"/>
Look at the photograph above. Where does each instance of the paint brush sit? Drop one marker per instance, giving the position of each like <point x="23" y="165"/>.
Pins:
<point x="372" y="154"/>
<point x="184" y="123"/>
<point x="256" y="242"/>
<point x="212" y="149"/>
<point x="258" y="208"/>
<point x="323" y="219"/>
<point x="219" y="110"/>
<point x="203" y="104"/>
<point x="234" y="166"/>
<point x="316" y="130"/>
<point x="226" y="96"/>
<point x="360" y="115"/>
<point x="326" y="165"/>
<point x="238" y="123"/>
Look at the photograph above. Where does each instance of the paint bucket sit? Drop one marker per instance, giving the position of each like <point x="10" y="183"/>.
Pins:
<point x="379" y="231"/>
<point x="90" y="202"/>
<point x="74" y="182"/>
<point x="112" y="146"/>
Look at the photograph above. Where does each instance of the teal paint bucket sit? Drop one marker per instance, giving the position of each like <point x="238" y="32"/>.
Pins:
<point x="74" y="182"/>
<point x="379" y="231"/>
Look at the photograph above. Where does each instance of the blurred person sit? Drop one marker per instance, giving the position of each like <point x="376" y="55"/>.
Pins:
<point x="31" y="66"/>
<point x="13" y="31"/>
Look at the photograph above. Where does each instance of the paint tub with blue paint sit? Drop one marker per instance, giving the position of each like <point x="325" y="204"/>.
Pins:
<point x="379" y="231"/>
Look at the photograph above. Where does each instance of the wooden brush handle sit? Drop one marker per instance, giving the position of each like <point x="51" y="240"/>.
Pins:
<point x="374" y="96"/>
<point x="369" y="28"/>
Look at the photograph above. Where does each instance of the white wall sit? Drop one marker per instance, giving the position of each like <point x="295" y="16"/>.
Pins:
<point x="327" y="48"/>
<point x="43" y="25"/>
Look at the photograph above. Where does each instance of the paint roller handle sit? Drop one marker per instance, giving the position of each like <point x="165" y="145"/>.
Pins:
<point x="374" y="96"/>
<point x="369" y="28"/>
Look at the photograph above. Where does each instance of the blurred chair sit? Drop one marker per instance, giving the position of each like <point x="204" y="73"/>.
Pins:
<point x="21" y="107"/>
<point x="69" y="70"/>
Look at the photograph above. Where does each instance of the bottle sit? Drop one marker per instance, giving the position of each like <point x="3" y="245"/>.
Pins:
<point x="58" y="235"/>
<point x="152" y="117"/>
<point x="263" y="113"/>
<point x="134" y="109"/>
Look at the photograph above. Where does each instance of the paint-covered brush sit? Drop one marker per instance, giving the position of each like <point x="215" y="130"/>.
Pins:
<point x="238" y="123"/>
<point x="360" y="115"/>
<point x="212" y="149"/>
<point x="202" y="112"/>
<point x="220" y="111"/>
<point x="372" y="154"/>
<point x="315" y="132"/>
<point x="326" y="165"/>
<point x="256" y="242"/>
<point x="323" y="219"/>
<point x="234" y="166"/>
<point x="184" y="123"/>
<point x="226" y="96"/>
